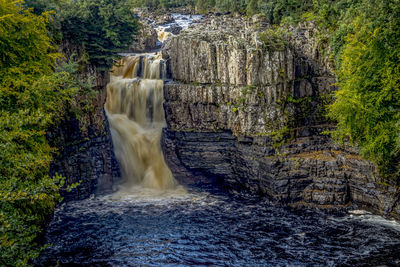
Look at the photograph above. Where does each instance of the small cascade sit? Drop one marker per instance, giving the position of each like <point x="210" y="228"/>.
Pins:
<point x="134" y="108"/>
<point x="163" y="35"/>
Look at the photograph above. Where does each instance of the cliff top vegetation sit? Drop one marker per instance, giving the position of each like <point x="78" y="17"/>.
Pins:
<point x="37" y="83"/>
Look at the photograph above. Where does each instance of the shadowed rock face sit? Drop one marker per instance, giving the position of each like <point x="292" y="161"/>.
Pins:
<point x="145" y="40"/>
<point x="85" y="152"/>
<point x="313" y="172"/>
<point x="230" y="102"/>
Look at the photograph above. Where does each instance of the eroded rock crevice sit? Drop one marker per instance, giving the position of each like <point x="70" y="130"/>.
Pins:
<point x="84" y="147"/>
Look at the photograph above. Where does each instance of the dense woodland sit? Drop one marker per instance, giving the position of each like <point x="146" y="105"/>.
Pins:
<point x="38" y="80"/>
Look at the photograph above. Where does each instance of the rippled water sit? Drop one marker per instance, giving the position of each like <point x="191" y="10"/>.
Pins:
<point x="203" y="228"/>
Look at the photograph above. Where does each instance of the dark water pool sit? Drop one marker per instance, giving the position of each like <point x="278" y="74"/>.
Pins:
<point x="214" y="229"/>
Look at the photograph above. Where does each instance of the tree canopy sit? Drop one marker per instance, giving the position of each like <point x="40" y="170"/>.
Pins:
<point x="367" y="106"/>
<point x="36" y="84"/>
<point x="31" y="96"/>
<point x="100" y="28"/>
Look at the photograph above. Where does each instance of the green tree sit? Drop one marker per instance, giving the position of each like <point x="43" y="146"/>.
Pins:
<point x="101" y="28"/>
<point x="277" y="10"/>
<point x="36" y="88"/>
<point x="31" y="97"/>
<point x="367" y="106"/>
<point x="40" y="6"/>
<point x="252" y="8"/>
<point x="205" y="6"/>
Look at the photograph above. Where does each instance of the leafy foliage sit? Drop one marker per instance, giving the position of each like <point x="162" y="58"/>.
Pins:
<point x="289" y="10"/>
<point x="31" y="97"/>
<point x="101" y="27"/>
<point x="40" y="6"/>
<point x="275" y="39"/>
<point x="364" y="41"/>
<point x="364" y="37"/>
<point x="367" y="107"/>
<point x="252" y="8"/>
<point x="274" y="10"/>
<point x="37" y="86"/>
<point x="202" y="6"/>
<point x="163" y="4"/>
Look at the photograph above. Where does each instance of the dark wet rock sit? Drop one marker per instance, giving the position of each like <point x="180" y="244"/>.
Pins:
<point x="145" y="40"/>
<point x="164" y="19"/>
<point x="173" y="28"/>
<point x="89" y="161"/>
<point x="84" y="146"/>
<point x="312" y="172"/>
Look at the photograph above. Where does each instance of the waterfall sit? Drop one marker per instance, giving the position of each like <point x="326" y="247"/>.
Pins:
<point x="134" y="108"/>
<point x="163" y="35"/>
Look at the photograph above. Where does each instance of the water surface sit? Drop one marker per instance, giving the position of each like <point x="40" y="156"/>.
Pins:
<point x="215" y="229"/>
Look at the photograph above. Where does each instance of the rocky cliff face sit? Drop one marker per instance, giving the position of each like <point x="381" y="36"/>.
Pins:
<point x="145" y="40"/>
<point x="251" y="116"/>
<point x="85" y="152"/>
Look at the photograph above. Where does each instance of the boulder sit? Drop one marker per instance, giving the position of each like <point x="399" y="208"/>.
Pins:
<point x="145" y="40"/>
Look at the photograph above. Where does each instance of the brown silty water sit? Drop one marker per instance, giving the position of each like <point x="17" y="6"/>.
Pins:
<point x="134" y="108"/>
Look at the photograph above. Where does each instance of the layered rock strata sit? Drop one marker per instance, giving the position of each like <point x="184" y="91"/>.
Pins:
<point x="251" y="116"/>
<point x="145" y="40"/>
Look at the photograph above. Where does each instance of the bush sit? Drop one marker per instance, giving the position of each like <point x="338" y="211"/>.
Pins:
<point x="35" y="91"/>
<point x="367" y="106"/>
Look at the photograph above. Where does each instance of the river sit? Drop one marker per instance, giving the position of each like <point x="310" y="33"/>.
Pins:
<point x="213" y="228"/>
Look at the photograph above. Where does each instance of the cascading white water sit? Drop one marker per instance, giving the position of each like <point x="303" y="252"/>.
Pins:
<point x="134" y="108"/>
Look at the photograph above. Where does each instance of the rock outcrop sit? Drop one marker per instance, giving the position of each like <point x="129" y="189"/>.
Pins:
<point x="145" y="40"/>
<point x="84" y="146"/>
<point x="251" y="116"/>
